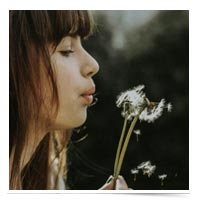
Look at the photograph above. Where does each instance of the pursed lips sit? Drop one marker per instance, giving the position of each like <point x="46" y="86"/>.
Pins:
<point x="88" y="95"/>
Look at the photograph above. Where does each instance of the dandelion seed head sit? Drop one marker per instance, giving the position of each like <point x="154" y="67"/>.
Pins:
<point x="131" y="101"/>
<point x="134" y="102"/>
<point x="150" y="115"/>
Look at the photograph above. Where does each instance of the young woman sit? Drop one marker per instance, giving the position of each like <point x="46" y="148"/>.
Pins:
<point x="51" y="87"/>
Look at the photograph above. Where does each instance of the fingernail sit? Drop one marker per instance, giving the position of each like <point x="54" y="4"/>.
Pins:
<point x="121" y="177"/>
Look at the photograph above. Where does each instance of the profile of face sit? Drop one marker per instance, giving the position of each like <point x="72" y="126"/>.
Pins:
<point x="74" y="69"/>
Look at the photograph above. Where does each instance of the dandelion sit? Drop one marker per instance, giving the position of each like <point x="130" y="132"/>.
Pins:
<point x="137" y="133"/>
<point x="135" y="105"/>
<point x="162" y="178"/>
<point x="134" y="102"/>
<point x="134" y="172"/>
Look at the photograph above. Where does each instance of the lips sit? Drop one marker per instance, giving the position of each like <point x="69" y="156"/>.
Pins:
<point x="88" y="95"/>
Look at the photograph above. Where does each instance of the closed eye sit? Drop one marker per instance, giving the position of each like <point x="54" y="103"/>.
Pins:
<point x="66" y="53"/>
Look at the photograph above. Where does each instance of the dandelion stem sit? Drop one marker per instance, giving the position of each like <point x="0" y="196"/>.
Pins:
<point x="120" y="146"/>
<point x="137" y="138"/>
<point x="134" y="177"/>
<point x="121" y="158"/>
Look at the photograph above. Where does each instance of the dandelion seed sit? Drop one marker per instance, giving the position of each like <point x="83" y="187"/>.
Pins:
<point x="169" y="107"/>
<point x="162" y="178"/>
<point x="149" y="170"/>
<point x="94" y="102"/>
<point x="137" y="132"/>
<point x="144" y="164"/>
<point x="134" y="172"/>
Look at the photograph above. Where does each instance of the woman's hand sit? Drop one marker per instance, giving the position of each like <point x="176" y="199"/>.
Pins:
<point x="112" y="184"/>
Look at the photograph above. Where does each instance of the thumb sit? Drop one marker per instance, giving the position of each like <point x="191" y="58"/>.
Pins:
<point x="121" y="184"/>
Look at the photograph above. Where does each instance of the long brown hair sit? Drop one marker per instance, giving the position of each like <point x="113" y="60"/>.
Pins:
<point x="29" y="34"/>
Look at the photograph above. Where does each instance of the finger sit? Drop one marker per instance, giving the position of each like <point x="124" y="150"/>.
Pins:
<point x="109" y="185"/>
<point x="121" y="184"/>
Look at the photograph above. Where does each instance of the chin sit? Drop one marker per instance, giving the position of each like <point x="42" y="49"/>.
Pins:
<point x="80" y="121"/>
<point x="70" y="123"/>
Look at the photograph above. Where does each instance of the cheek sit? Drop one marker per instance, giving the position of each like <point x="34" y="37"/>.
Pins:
<point x="66" y="77"/>
<point x="71" y="112"/>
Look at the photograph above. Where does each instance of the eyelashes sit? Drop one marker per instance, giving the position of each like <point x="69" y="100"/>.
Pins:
<point x="66" y="53"/>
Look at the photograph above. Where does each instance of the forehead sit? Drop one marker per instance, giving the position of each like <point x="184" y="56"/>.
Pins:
<point x="69" y="39"/>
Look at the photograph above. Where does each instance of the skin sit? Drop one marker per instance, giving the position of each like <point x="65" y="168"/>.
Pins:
<point x="74" y="68"/>
<point x="118" y="184"/>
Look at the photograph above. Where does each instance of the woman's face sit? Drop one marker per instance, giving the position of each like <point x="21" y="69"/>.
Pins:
<point x="74" y="69"/>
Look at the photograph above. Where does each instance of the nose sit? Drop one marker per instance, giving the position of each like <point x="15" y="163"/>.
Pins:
<point x="90" y="66"/>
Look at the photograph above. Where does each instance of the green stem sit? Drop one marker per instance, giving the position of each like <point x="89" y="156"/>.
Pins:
<point x="121" y="158"/>
<point x="119" y="146"/>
